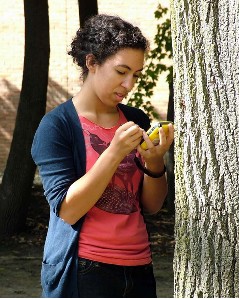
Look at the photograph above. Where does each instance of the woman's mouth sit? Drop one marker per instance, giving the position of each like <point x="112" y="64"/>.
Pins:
<point x="120" y="96"/>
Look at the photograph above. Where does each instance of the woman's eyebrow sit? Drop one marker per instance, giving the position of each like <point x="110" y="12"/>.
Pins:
<point x="127" y="67"/>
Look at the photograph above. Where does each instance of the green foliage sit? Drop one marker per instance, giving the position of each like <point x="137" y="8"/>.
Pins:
<point x="154" y="65"/>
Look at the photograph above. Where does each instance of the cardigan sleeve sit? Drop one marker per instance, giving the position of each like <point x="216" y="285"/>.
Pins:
<point x="52" y="152"/>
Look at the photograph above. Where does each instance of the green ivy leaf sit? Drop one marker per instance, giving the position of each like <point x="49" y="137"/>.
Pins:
<point x="154" y="65"/>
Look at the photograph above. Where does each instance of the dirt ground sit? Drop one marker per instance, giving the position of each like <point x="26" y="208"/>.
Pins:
<point x="21" y="254"/>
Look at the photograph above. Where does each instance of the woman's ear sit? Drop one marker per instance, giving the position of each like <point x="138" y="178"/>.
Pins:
<point x="91" y="63"/>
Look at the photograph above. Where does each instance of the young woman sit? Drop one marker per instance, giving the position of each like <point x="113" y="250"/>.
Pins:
<point x="97" y="244"/>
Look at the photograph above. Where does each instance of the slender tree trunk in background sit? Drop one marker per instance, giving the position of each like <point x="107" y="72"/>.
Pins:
<point x="87" y="9"/>
<point x="19" y="173"/>
<point x="205" y="50"/>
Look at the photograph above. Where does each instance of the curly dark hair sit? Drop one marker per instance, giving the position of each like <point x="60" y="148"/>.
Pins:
<point x="103" y="36"/>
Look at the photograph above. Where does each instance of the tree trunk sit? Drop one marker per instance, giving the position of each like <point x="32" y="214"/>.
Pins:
<point x="19" y="173"/>
<point x="205" y="50"/>
<point x="87" y="9"/>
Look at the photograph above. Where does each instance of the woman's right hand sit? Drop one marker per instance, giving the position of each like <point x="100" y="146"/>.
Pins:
<point x="126" y="138"/>
<point x="85" y="192"/>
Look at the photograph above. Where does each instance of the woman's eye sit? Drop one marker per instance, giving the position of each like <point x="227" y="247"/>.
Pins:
<point x="120" y="72"/>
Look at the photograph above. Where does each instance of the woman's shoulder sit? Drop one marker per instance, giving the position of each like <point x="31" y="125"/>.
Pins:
<point x="62" y="109"/>
<point x="57" y="126"/>
<point x="60" y="121"/>
<point x="59" y="114"/>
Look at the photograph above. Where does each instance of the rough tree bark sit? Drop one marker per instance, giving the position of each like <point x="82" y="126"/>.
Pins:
<point x="15" y="189"/>
<point x="205" y="50"/>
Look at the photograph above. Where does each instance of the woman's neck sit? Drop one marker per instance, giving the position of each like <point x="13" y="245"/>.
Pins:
<point x="90" y="107"/>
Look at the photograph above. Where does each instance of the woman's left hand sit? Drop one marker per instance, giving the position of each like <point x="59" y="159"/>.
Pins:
<point x="154" y="153"/>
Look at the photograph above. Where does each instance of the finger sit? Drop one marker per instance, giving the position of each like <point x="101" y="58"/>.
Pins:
<point x="126" y="125"/>
<point x="140" y="150"/>
<point x="144" y="153"/>
<point x="135" y="139"/>
<point x="148" y="141"/>
<point x="171" y="131"/>
<point x="134" y="130"/>
<point x="170" y="136"/>
<point x="162" y="136"/>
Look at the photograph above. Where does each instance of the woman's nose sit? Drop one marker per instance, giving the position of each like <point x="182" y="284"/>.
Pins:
<point x="128" y="83"/>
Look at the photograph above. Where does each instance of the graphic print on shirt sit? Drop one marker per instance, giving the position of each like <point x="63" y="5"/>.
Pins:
<point x="119" y="196"/>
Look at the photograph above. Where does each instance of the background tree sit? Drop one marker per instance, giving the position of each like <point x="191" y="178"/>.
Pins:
<point x="19" y="173"/>
<point x="205" y="48"/>
<point x="87" y="9"/>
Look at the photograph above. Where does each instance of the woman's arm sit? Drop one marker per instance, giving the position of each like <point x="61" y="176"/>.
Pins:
<point x="85" y="192"/>
<point x="154" y="190"/>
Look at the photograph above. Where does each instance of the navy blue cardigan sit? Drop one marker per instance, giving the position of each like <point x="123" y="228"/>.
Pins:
<point x="58" y="150"/>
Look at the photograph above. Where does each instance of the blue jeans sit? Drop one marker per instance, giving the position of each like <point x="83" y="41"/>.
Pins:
<point x="100" y="280"/>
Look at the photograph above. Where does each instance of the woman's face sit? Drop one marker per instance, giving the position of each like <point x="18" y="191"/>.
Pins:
<point x="115" y="78"/>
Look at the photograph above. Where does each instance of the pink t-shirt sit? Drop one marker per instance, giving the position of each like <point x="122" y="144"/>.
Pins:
<point x="114" y="231"/>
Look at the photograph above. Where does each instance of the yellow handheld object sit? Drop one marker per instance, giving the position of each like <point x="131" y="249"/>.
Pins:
<point x="153" y="132"/>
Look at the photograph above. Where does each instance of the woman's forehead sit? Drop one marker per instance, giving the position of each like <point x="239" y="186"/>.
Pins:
<point x="131" y="59"/>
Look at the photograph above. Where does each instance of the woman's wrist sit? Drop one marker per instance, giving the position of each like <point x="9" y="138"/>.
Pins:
<point x="154" y="171"/>
<point x="158" y="174"/>
<point x="155" y="167"/>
